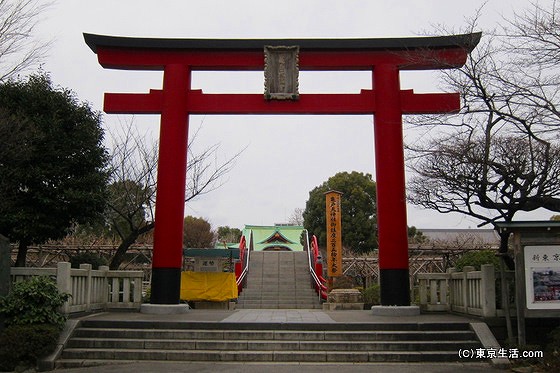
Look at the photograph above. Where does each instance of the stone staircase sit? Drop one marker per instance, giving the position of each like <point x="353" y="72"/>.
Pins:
<point x="97" y="342"/>
<point x="278" y="279"/>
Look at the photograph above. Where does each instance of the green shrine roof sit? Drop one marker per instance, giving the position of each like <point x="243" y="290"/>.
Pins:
<point x="276" y="237"/>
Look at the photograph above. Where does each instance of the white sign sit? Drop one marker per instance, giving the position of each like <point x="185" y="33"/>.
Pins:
<point x="542" y="277"/>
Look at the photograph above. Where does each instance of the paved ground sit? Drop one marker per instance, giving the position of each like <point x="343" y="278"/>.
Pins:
<point x="290" y="315"/>
<point x="266" y="316"/>
<point x="142" y="367"/>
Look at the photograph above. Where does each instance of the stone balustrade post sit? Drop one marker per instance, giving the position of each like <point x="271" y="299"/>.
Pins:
<point x="488" y="290"/>
<point x="105" y="287"/>
<point x="87" y="286"/>
<point x="465" y="286"/>
<point x="64" y="283"/>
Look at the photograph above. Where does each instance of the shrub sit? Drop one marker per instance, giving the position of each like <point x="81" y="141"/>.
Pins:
<point x="371" y="296"/>
<point x="34" y="301"/>
<point x="87" y="257"/>
<point x="33" y="320"/>
<point x="22" y="345"/>
<point x="146" y="298"/>
<point x="343" y="282"/>
<point x="477" y="258"/>
<point x="552" y="353"/>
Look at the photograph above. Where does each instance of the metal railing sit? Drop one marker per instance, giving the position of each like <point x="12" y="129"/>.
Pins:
<point x="244" y="257"/>
<point x="314" y="258"/>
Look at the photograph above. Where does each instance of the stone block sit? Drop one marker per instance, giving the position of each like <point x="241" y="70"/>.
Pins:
<point x="395" y="310"/>
<point x="207" y="305"/>
<point x="343" y="306"/>
<point x="345" y="296"/>
<point x="164" y="309"/>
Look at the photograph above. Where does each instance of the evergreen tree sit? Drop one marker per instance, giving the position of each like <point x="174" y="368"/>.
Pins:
<point x="358" y="205"/>
<point x="52" y="162"/>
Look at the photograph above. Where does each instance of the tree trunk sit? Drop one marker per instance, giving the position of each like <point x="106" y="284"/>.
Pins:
<point x="118" y="258"/>
<point x="504" y="241"/>
<point x="22" y="254"/>
<point x="125" y="244"/>
<point x="505" y="260"/>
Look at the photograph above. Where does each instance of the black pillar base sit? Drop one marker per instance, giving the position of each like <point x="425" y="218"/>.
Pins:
<point x="395" y="287"/>
<point x="166" y="286"/>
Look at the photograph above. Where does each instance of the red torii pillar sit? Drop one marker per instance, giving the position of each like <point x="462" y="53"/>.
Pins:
<point x="387" y="102"/>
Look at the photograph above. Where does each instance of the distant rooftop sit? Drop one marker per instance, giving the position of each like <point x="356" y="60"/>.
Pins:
<point x="463" y="237"/>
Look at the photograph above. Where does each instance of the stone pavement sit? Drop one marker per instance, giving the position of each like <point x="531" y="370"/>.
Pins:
<point x="280" y="316"/>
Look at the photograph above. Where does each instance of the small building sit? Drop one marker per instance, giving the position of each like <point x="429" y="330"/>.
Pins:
<point x="277" y="237"/>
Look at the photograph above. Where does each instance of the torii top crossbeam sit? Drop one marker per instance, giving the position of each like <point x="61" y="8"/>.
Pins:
<point x="420" y="53"/>
<point x="386" y="101"/>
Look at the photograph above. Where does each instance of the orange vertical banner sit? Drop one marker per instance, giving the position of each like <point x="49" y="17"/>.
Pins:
<point x="334" y="233"/>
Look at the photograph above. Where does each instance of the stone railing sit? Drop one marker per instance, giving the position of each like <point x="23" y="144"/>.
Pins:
<point x="470" y="292"/>
<point x="90" y="289"/>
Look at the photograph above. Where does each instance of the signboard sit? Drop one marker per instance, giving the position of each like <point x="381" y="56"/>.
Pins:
<point x="281" y="72"/>
<point x="209" y="264"/>
<point x="334" y="234"/>
<point x="542" y="277"/>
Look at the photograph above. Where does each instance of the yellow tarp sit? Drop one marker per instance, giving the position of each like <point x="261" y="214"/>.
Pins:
<point x="208" y="286"/>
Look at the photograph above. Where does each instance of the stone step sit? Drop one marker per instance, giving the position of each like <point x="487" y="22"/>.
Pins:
<point x="278" y="289"/>
<point x="267" y="345"/>
<point x="278" y="326"/>
<point x="310" y="300"/>
<point x="300" y="335"/>
<point x="101" y="342"/>
<point x="289" y="293"/>
<point x="278" y="305"/>
<point x="280" y="297"/>
<point x="90" y="358"/>
<point x="278" y="280"/>
<point x="281" y="278"/>
<point x="306" y="281"/>
<point x="286" y="275"/>
<point x="258" y="285"/>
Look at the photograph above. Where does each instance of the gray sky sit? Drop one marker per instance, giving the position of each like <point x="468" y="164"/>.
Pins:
<point x="286" y="156"/>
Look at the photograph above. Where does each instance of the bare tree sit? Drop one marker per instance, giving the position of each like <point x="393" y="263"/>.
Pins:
<point x="296" y="218"/>
<point x="19" y="48"/>
<point x="133" y="187"/>
<point x="500" y="154"/>
<point x="489" y="181"/>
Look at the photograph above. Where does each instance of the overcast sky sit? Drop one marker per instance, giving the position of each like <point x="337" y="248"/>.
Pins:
<point x="285" y="156"/>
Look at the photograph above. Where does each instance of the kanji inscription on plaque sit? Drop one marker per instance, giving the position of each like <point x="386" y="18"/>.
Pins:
<point x="281" y="72"/>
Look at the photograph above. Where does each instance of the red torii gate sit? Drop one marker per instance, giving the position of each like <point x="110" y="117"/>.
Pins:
<point x="386" y="101"/>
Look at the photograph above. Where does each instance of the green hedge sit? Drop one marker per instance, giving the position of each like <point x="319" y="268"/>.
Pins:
<point x="22" y="345"/>
<point x="33" y="320"/>
<point x="477" y="258"/>
<point x="371" y="296"/>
